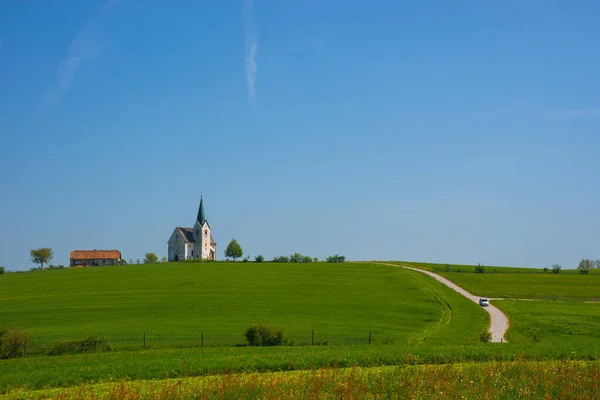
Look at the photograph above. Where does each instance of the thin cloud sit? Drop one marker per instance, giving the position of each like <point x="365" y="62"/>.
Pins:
<point x="81" y="50"/>
<point x="251" y="47"/>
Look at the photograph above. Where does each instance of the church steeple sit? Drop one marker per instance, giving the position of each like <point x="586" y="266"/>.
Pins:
<point x="201" y="215"/>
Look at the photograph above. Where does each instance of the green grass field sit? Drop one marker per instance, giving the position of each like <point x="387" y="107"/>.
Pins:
<point x="552" y="321"/>
<point x="530" y="286"/>
<point x="438" y="267"/>
<point x="519" y="283"/>
<point x="413" y="319"/>
<point x="177" y="304"/>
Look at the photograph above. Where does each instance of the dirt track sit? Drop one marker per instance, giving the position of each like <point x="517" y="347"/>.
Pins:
<point x="499" y="321"/>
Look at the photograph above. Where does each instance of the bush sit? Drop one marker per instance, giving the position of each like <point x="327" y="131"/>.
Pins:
<point x="282" y="259"/>
<point x="13" y="342"/>
<point x="264" y="335"/>
<point x="259" y="258"/>
<point x="479" y="269"/>
<point x="1" y="270"/>
<point x="485" y="336"/>
<point x="92" y="343"/>
<point x="336" y="259"/>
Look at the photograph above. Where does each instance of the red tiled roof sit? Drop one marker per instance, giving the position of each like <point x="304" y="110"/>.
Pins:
<point x="93" y="254"/>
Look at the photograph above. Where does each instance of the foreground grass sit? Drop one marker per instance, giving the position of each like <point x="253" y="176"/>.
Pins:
<point x="552" y="322"/>
<point x="41" y="372"/>
<point x="177" y="304"/>
<point x="494" y="380"/>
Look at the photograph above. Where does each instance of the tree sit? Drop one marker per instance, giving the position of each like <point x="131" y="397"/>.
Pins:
<point x="41" y="256"/>
<point x="585" y="265"/>
<point x="259" y="258"/>
<point x="597" y="263"/>
<point x="164" y="259"/>
<point x="296" y="258"/>
<point x="150" y="258"/>
<point x="1" y="270"/>
<point x="233" y="250"/>
<point x="556" y="269"/>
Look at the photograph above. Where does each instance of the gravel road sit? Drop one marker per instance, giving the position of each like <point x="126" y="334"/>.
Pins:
<point x="499" y="323"/>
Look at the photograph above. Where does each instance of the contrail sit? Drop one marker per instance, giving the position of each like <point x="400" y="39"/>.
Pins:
<point x="251" y="47"/>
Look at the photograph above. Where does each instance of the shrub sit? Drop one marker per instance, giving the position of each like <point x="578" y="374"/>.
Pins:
<point x="1" y="270"/>
<point x="282" y="259"/>
<point x="259" y="258"/>
<point x="13" y="342"/>
<point x="92" y="343"/>
<point x="485" y="336"/>
<point x="545" y="269"/>
<point x="264" y="335"/>
<point x="479" y="269"/>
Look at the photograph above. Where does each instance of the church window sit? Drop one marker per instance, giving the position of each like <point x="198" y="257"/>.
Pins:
<point x="206" y="232"/>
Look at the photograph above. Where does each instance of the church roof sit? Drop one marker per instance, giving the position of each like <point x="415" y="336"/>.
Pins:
<point x="187" y="234"/>
<point x="201" y="214"/>
<point x="95" y="254"/>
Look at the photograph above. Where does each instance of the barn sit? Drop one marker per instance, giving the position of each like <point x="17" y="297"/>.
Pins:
<point x="81" y="258"/>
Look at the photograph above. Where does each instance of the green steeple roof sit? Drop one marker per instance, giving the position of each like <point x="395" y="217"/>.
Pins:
<point x="201" y="215"/>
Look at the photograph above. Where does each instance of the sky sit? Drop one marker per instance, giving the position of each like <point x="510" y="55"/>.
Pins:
<point x="461" y="131"/>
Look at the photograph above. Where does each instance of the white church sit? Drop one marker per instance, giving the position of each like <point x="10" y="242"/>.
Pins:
<point x="196" y="242"/>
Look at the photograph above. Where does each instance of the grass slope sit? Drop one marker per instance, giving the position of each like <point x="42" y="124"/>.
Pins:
<point x="552" y="322"/>
<point x="175" y="303"/>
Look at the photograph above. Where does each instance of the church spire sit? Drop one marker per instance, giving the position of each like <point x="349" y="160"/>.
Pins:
<point x="201" y="215"/>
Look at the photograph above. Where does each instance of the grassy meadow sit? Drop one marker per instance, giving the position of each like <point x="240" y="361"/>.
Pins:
<point x="178" y="303"/>
<point x="188" y="304"/>
<point x="414" y="320"/>
<point x="489" y="380"/>
<point x="552" y="321"/>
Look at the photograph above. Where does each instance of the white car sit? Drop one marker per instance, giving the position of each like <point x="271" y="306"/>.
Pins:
<point x="483" y="302"/>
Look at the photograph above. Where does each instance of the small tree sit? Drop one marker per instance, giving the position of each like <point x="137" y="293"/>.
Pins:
<point x="479" y="269"/>
<point x="556" y="269"/>
<point x="150" y="258"/>
<point x="597" y="263"/>
<point x="259" y="258"/>
<point x="41" y="256"/>
<point x="585" y="265"/>
<point x="164" y="259"/>
<point x="233" y="250"/>
<point x="1" y="270"/>
<point x="281" y="259"/>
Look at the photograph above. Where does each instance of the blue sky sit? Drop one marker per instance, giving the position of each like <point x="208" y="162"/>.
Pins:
<point x="443" y="131"/>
